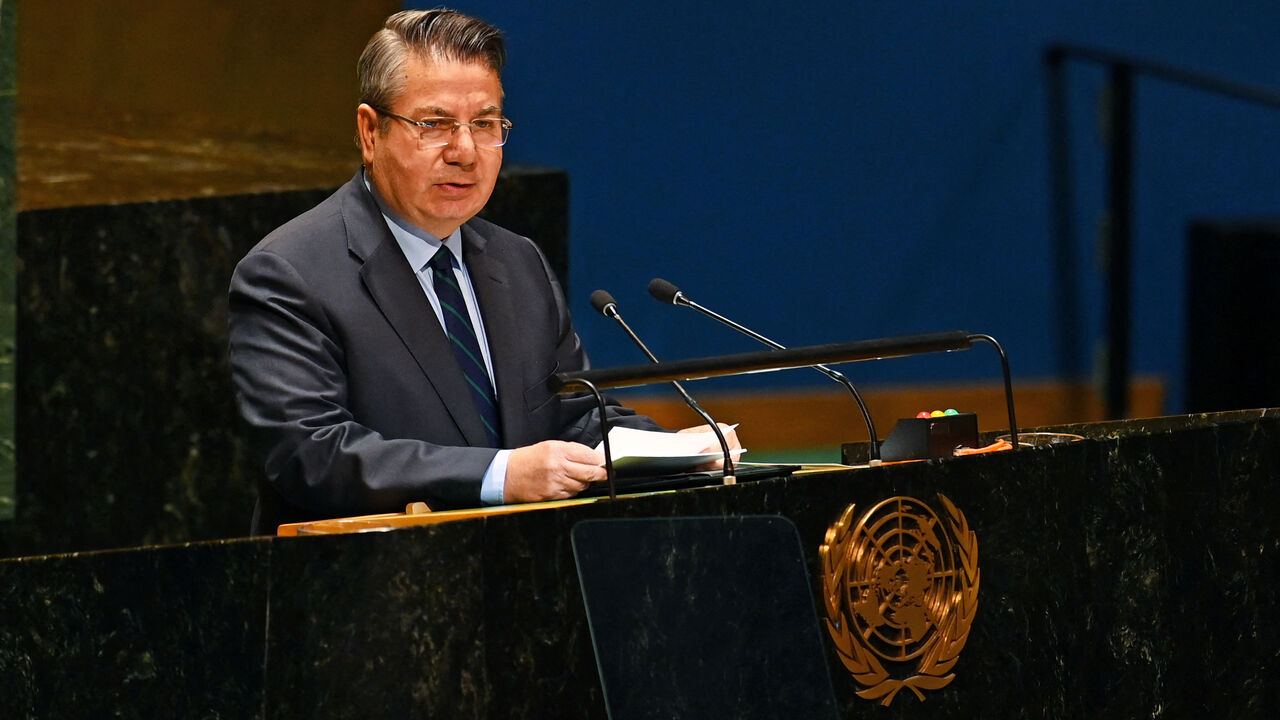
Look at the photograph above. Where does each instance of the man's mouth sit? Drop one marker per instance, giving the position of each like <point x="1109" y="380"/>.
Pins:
<point x="455" y="187"/>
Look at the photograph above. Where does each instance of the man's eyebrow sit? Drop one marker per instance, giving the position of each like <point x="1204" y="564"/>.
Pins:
<point x="431" y="111"/>
<point x="436" y="111"/>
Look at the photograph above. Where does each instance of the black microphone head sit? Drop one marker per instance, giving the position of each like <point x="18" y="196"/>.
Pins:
<point x="663" y="291"/>
<point x="601" y="300"/>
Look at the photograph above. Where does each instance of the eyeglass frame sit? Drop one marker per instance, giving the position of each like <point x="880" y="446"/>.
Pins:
<point x="504" y="123"/>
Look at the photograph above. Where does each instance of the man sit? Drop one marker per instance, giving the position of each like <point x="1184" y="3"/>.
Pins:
<point x="386" y="346"/>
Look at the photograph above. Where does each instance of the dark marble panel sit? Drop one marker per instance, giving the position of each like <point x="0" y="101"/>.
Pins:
<point x="1136" y="574"/>
<point x="127" y="424"/>
<point x="1023" y="640"/>
<point x="380" y="626"/>
<point x="1224" y="582"/>
<point x="8" y="211"/>
<point x="539" y="660"/>
<point x="127" y="428"/>
<point x="171" y="632"/>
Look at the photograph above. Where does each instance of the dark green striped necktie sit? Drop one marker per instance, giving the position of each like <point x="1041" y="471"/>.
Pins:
<point x="466" y="346"/>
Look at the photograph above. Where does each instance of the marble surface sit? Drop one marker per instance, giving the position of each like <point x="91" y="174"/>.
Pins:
<point x="1133" y="574"/>
<point x="162" y="633"/>
<point x="401" y="638"/>
<point x="127" y="429"/>
<point x="8" y="210"/>
<point x="199" y="99"/>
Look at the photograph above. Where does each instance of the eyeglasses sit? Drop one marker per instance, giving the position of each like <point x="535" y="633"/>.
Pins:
<point x="438" y="131"/>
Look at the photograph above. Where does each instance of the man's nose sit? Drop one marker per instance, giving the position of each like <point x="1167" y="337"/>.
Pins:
<point x="461" y="149"/>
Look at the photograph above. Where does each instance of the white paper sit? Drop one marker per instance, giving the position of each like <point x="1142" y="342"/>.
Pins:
<point x="647" y="452"/>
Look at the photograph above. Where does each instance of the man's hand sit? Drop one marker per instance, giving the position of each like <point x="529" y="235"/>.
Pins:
<point x="730" y="437"/>
<point x="550" y="470"/>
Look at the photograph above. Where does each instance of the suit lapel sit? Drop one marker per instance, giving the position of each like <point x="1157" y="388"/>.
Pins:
<point x="394" y="288"/>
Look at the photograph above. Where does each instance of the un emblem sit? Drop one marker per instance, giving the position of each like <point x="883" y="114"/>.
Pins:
<point x="901" y="589"/>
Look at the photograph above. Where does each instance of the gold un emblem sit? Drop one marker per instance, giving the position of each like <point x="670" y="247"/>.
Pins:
<point x="900" y="587"/>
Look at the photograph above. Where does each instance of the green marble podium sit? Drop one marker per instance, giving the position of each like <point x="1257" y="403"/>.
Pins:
<point x="1133" y="574"/>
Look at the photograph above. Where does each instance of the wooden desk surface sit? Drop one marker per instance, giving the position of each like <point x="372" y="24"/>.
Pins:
<point x="420" y="515"/>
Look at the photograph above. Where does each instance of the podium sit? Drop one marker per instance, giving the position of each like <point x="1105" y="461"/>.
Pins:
<point x="1132" y="573"/>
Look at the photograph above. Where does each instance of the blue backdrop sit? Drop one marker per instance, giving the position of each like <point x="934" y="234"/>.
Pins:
<point x="846" y="170"/>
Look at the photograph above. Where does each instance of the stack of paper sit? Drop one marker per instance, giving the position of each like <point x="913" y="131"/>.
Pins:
<point x="645" y="452"/>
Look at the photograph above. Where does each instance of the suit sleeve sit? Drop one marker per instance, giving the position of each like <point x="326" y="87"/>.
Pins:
<point x="289" y="370"/>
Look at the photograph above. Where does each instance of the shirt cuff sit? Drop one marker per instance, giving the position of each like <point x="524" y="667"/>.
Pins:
<point x="495" y="479"/>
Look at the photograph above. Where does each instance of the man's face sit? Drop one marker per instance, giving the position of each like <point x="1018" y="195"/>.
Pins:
<point x="435" y="188"/>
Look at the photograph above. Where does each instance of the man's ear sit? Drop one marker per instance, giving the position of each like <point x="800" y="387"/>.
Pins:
<point x="367" y="131"/>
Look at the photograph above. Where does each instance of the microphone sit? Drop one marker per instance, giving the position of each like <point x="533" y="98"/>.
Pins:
<point x="665" y="292"/>
<point x="604" y="303"/>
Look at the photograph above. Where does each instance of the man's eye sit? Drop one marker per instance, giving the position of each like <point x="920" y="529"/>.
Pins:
<point x="437" y="123"/>
<point x="484" y="124"/>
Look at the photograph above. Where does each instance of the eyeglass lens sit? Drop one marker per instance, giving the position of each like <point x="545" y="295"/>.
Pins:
<point x="441" y="131"/>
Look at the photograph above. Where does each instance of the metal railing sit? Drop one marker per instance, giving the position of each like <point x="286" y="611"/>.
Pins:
<point x="1118" y="228"/>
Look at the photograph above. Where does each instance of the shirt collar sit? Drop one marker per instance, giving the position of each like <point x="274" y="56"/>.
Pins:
<point x="418" y="245"/>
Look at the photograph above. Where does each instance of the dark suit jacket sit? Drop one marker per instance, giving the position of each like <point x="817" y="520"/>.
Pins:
<point x="346" y="379"/>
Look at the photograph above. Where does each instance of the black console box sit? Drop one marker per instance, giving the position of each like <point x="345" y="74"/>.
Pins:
<point x="920" y="438"/>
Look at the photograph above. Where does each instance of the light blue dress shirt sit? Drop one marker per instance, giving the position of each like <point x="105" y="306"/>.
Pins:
<point x="419" y="247"/>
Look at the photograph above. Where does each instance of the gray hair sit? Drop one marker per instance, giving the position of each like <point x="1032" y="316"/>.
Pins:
<point x="440" y="34"/>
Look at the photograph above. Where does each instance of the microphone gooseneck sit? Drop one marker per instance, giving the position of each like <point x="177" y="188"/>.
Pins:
<point x="664" y="292"/>
<point x="609" y="475"/>
<point x="604" y="303"/>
